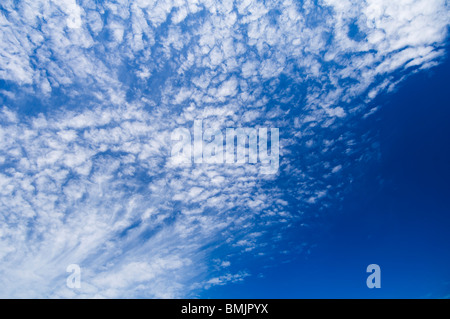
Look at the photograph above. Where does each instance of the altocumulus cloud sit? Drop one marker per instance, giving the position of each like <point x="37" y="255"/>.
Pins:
<point x="91" y="91"/>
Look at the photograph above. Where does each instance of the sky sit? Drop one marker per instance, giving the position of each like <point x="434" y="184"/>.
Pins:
<point x="92" y="91"/>
<point x="396" y="216"/>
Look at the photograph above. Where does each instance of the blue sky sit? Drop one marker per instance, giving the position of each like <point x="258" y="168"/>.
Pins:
<point x="91" y="92"/>
<point x="396" y="216"/>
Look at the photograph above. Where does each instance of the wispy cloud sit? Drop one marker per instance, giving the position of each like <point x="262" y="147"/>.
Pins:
<point x="85" y="176"/>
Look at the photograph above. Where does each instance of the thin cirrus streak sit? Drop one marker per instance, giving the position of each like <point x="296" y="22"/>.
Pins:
<point x="91" y="93"/>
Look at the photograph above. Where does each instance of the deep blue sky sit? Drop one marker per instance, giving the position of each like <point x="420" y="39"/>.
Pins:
<point x="397" y="214"/>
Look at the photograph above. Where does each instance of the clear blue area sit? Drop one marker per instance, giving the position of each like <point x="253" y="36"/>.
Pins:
<point x="397" y="214"/>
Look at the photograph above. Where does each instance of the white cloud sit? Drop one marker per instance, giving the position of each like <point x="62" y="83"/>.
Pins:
<point x="88" y="181"/>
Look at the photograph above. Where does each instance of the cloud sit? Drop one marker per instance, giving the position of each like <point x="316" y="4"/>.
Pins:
<point x="91" y="93"/>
